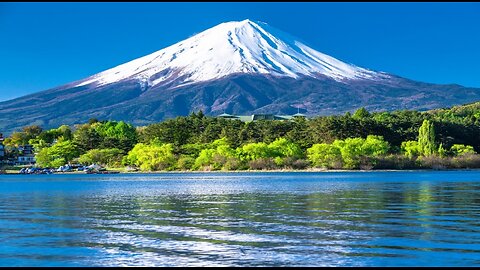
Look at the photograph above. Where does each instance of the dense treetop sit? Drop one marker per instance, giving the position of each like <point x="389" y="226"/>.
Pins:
<point x="197" y="141"/>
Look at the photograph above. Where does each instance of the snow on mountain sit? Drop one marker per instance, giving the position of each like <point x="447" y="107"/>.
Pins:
<point x="273" y="73"/>
<point x="228" y="48"/>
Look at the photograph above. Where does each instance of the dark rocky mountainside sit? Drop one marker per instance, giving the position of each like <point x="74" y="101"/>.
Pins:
<point x="235" y="94"/>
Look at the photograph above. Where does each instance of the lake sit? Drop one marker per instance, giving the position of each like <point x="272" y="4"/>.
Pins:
<point x="420" y="218"/>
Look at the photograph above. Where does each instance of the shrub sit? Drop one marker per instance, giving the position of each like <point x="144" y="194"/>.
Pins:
<point x="232" y="163"/>
<point x="291" y="163"/>
<point x="218" y="161"/>
<point x="299" y="164"/>
<point x="395" y="162"/>
<point x="185" y="163"/>
<point x="366" y="163"/>
<point x="262" y="164"/>
<point x="460" y="149"/>
<point x="434" y="162"/>
<point x="467" y="160"/>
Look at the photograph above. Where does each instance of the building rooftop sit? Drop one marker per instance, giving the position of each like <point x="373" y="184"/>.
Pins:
<point x="226" y="115"/>
<point x="255" y="117"/>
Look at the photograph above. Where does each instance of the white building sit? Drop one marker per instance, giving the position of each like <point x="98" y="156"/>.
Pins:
<point x="27" y="159"/>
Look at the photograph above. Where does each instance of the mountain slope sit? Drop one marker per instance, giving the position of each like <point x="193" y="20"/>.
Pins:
<point x="228" y="48"/>
<point x="236" y="67"/>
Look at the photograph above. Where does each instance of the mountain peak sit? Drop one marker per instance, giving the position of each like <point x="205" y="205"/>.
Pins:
<point x="228" y="48"/>
<point x="239" y="67"/>
<point x="238" y="23"/>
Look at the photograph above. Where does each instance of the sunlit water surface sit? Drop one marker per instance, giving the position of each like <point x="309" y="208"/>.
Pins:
<point x="241" y="219"/>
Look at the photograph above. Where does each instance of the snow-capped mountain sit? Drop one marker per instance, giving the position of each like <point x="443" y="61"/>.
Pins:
<point x="239" y="67"/>
<point x="228" y="48"/>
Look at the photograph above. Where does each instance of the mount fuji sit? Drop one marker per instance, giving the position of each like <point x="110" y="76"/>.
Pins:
<point x="240" y="67"/>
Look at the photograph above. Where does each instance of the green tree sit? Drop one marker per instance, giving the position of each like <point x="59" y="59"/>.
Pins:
<point x="116" y="135"/>
<point x="284" y="150"/>
<point x="65" y="149"/>
<point x="65" y="132"/>
<point x="23" y="137"/>
<point x="351" y="150"/>
<point x="461" y="149"/>
<point x="32" y="131"/>
<point x="426" y="138"/>
<point x="375" y="146"/>
<point x="86" y="137"/>
<point x="60" y="153"/>
<point x="411" y="149"/>
<point x="253" y="151"/>
<point x="325" y="155"/>
<point x="93" y="120"/>
<point x="151" y="157"/>
<point x="216" y="155"/>
<point x="441" y="151"/>
<point x="17" y="138"/>
<point x="282" y="147"/>
<point x="361" y="113"/>
<point x="105" y="157"/>
<point x="299" y="133"/>
<point x="49" y="136"/>
<point x="38" y="144"/>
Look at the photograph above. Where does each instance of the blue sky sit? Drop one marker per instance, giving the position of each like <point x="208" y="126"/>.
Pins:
<point x="44" y="45"/>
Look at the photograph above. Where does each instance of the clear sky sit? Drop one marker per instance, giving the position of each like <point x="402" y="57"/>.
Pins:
<point x="43" y="45"/>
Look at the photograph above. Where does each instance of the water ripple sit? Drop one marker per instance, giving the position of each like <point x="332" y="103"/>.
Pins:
<point x="258" y="219"/>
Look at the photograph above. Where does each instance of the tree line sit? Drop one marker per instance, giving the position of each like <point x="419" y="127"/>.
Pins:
<point x="444" y="138"/>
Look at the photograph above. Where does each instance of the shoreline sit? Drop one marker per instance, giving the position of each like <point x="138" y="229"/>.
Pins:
<point x="10" y="172"/>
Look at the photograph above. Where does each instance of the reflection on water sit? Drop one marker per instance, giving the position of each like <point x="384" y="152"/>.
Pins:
<point x="241" y="219"/>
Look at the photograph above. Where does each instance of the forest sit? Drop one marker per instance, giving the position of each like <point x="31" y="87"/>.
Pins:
<point x="436" y="139"/>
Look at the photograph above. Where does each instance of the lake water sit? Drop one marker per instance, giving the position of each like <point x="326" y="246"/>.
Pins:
<point x="241" y="219"/>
